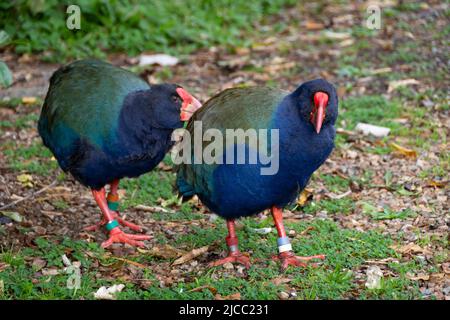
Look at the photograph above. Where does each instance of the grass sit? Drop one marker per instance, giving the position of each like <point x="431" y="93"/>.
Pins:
<point x="148" y="189"/>
<point x="375" y="110"/>
<point x="21" y="280"/>
<point x="130" y="26"/>
<point x="345" y="249"/>
<point x="35" y="158"/>
<point x="344" y="206"/>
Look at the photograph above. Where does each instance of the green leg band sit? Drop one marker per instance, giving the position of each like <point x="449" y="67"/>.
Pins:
<point x="111" y="225"/>
<point x="113" y="205"/>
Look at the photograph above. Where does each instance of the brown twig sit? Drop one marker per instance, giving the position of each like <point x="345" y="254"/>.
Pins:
<point x="29" y="196"/>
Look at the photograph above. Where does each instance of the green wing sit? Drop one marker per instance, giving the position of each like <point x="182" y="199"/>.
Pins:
<point x="236" y="108"/>
<point x="244" y="108"/>
<point x="85" y="99"/>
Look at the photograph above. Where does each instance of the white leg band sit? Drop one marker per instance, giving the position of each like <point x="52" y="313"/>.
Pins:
<point x="284" y="248"/>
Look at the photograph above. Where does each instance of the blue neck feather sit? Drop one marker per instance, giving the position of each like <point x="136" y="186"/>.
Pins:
<point x="302" y="150"/>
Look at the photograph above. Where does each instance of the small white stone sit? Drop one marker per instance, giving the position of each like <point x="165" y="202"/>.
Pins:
<point x="161" y="59"/>
<point x="262" y="230"/>
<point x="108" y="293"/>
<point x="228" y="266"/>
<point x="374" y="275"/>
<point x="283" y="295"/>
<point x="370" y="129"/>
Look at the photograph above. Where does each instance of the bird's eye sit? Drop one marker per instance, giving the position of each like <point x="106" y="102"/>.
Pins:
<point x="176" y="99"/>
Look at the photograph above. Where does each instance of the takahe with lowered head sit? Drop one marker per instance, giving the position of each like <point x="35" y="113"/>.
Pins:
<point x="305" y="121"/>
<point x="103" y="123"/>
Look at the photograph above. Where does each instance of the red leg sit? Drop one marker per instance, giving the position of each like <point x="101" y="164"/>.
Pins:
<point x="115" y="234"/>
<point x="234" y="255"/>
<point x="113" y="204"/>
<point x="286" y="255"/>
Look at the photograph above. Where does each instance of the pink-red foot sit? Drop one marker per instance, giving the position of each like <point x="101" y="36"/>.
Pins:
<point x="118" y="236"/>
<point x="121" y="221"/>
<point x="288" y="258"/>
<point x="233" y="257"/>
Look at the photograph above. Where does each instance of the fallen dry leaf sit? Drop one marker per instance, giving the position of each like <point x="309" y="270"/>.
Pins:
<point x="164" y="167"/>
<point x="419" y="276"/>
<point x="381" y="70"/>
<point x="304" y="196"/>
<point x="312" y="25"/>
<point x="410" y="248"/>
<point x="191" y="255"/>
<point x="346" y="43"/>
<point x="401" y="83"/>
<point x="51" y="214"/>
<point x="25" y="179"/>
<point x="3" y="266"/>
<point x="439" y="184"/>
<point x="234" y="296"/>
<point x="29" y="100"/>
<point x="280" y="280"/>
<point x="275" y="68"/>
<point x="339" y="196"/>
<point x="404" y="151"/>
<point x="437" y="276"/>
<point x="307" y="230"/>
<point x="165" y="252"/>
<point x="241" y="51"/>
<point x="134" y="263"/>
<point x="198" y="289"/>
<point x="50" y="272"/>
<point x="382" y="261"/>
<point x="153" y="209"/>
<point x="337" y="35"/>
<point x="345" y="132"/>
<point x="38" y="264"/>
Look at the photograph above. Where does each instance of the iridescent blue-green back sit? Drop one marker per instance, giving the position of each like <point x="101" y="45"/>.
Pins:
<point x="85" y="99"/>
<point x="83" y="102"/>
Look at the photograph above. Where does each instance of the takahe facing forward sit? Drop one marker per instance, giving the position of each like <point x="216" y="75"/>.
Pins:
<point x="103" y="123"/>
<point x="305" y="121"/>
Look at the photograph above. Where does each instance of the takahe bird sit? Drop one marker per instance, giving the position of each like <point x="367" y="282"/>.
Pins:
<point x="103" y="123"/>
<point x="305" y="121"/>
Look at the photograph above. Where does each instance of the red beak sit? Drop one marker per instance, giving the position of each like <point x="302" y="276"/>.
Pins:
<point x="318" y="113"/>
<point x="189" y="106"/>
